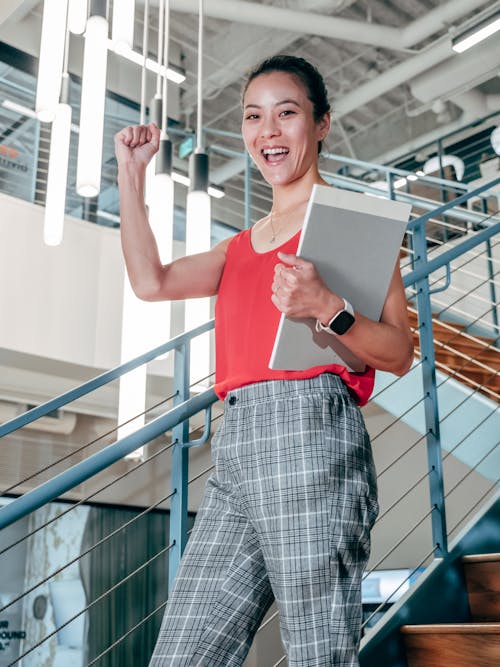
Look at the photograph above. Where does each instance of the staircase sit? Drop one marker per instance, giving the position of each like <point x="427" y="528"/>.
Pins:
<point x="473" y="360"/>
<point x="436" y="596"/>
<point x="463" y="644"/>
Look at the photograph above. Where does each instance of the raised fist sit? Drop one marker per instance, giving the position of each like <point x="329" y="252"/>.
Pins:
<point x="137" y="144"/>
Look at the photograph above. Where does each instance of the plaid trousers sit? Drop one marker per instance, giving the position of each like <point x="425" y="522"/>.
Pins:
<point x="286" y="515"/>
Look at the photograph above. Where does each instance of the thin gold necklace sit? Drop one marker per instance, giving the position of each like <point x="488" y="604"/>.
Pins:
<point x="277" y="231"/>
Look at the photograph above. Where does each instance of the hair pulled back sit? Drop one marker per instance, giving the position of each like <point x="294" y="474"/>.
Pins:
<point x="307" y="74"/>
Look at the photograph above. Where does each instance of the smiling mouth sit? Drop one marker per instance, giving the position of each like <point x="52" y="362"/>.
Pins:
<point x="275" y="155"/>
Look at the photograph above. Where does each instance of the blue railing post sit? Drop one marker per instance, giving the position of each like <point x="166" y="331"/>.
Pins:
<point x="431" y="408"/>
<point x="390" y="185"/>
<point x="179" y="469"/>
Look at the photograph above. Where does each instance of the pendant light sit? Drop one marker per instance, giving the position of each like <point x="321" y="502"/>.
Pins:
<point x="161" y="209"/>
<point x="57" y="174"/>
<point x="122" y="29"/>
<point x="197" y="311"/>
<point x="51" y="58"/>
<point x="88" y="175"/>
<point x="77" y="16"/>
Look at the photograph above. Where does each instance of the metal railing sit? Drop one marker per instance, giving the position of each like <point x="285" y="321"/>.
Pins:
<point x="424" y="290"/>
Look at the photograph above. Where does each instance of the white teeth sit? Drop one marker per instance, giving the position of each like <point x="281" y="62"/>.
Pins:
<point x="274" y="151"/>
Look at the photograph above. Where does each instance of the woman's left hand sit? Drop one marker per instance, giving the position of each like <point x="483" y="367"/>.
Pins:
<point x="299" y="290"/>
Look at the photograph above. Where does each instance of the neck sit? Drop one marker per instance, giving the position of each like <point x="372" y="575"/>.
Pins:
<point x="291" y="195"/>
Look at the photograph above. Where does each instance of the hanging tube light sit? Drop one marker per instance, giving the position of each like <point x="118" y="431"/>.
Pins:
<point x="88" y="176"/>
<point x="161" y="210"/>
<point x="122" y="31"/>
<point x="77" y="16"/>
<point x="135" y="316"/>
<point x="57" y="174"/>
<point x="51" y="58"/>
<point x="198" y="226"/>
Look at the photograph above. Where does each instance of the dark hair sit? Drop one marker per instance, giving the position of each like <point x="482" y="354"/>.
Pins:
<point x="307" y="74"/>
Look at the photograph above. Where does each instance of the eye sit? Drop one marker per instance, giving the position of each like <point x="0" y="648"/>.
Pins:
<point x="287" y="112"/>
<point x="251" y="116"/>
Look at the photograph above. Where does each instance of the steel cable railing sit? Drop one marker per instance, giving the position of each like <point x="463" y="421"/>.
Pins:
<point x="204" y="472"/>
<point x="428" y="555"/>
<point x="414" y="527"/>
<point x="82" y="448"/>
<point x="93" y="495"/>
<point x="99" y="437"/>
<point x="448" y="453"/>
<point x="101" y="541"/>
<point x="92" y="604"/>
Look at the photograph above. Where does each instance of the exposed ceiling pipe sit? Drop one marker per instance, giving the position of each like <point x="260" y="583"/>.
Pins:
<point x="467" y="70"/>
<point x="393" y="77"/>
<point x="474" y="105"/>
<point x="334" y="27"/>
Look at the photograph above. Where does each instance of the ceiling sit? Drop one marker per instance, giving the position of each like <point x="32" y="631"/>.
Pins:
<point x="389" y="68"/>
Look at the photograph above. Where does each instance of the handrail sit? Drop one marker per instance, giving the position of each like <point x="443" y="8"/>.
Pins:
<point x="464" y="215"/>
<point x="372" y="166"/>
<point x="100" y="380"/>
<point x="451" y="204"/>
<point x="89" y="467"/>
<point x="445" y="258"/>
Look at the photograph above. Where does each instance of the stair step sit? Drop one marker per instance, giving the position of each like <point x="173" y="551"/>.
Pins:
<point x="481" y="558"/>
<point x="482" y="574"/>
<point x="456" y="645"/>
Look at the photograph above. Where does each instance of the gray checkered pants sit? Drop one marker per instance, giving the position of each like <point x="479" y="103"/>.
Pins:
<point x="286" y="515"/>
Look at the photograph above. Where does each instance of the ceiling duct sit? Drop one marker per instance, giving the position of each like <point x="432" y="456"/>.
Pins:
<point x="458" y="72"/>
<point x="335" y="27"/>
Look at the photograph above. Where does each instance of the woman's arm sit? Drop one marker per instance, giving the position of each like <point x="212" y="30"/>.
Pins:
<point x="299" y="291"/>
<point x="188" y="277"/>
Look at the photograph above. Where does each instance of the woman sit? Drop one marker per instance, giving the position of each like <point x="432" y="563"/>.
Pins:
<point x="288" y="511"/>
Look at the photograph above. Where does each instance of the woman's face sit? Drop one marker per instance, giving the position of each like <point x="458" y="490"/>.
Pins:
<point x="279" y="129"/>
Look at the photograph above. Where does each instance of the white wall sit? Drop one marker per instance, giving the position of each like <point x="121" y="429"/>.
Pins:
<point x="65" y="302"/>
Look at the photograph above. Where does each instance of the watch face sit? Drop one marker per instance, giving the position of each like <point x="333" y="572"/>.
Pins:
<point x="342" y="322"/>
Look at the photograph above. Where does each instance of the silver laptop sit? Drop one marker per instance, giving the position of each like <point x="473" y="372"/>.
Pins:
<point x="353" y="240"/>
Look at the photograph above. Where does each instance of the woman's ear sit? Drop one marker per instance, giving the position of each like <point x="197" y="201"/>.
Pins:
<point x="324" y="126"/>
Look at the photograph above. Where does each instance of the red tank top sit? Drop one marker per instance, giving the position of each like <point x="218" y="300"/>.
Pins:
<point x="246" y="321"/>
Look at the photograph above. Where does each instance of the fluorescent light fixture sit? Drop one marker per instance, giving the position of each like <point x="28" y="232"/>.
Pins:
<point x="19" y="108"/>
<point x="400" y="182"/>
<point x="57" y="176"/>
<point x="122" y="29"/>
<point x="51" y="59"/>
<point x="476" y="33"/>
<point x="412" y="177"/>
<point x="213" y="190"/>
<point x="88" y="175"/>
<point x="420" y="173"/>
<point x="172" y="74"/>
<point x="25" y="111"/>
<point x="495" y="140"/>
<point x="180" y="178"/>
<point x="108" y="216"/>
<point x="77" y="16"/>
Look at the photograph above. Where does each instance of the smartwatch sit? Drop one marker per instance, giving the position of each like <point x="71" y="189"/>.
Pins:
<point x="340" y="322"/>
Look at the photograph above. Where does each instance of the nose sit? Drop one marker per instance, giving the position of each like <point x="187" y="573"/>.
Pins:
<point x="269" y="127"/>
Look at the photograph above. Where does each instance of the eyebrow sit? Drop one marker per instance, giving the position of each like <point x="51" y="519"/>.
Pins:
<point x="257" y="106"/>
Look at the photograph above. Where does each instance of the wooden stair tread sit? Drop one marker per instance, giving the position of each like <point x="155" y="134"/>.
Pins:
<point x="452" y="628"/>
<point x="453" y="360"/>
<point x="481" y="558"/>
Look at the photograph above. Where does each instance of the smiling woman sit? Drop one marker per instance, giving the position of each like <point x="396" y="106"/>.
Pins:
<point x="288" y="510"/>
